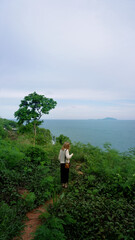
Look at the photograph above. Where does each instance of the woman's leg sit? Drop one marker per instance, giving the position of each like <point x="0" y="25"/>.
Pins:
<point x="63" y="180"/>
<point x="64" y="175"/>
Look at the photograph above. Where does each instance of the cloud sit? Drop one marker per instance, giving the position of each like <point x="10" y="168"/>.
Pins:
<point x="70" y="51"/>
<point x="9" y="94"/>
<point x="91" y="112"/>
<point x="80" y="104"/>
<point x="69" y="94"/>
<point x="65" y="31"/>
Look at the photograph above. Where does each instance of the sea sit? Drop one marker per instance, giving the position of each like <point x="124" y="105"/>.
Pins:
<point x="119" y="133"/>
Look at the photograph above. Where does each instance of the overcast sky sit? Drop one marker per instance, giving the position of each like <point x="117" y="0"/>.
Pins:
<point x="81" y="53"/>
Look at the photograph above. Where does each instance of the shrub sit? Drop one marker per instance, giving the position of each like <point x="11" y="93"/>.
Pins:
<point x="61" y="139"/>
<point x="7" y="124"/>
<point x="37" y="154"/>
<point x="51" y="230"/>
<point x="9" y="155"/>
<point x="43" y="136"/>
<point x="10" y="222"/>
<point x="3" y="132"/>
<point x="29" y="199"/>
<point x="98" y="213"/>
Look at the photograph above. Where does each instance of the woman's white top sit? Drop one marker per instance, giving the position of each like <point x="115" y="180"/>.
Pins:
<point x="64" y="156"/>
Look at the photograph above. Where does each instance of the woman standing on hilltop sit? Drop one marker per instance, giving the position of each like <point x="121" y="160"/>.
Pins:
<point x="64" y="158"/>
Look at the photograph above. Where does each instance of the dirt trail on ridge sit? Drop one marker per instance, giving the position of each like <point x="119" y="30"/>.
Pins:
<point x="33" y="222"/>
<point x="33" y="217"/>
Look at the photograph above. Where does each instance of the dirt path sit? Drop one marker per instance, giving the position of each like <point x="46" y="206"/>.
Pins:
<point x="33" y="217"/>
<point x="33" y="221"/>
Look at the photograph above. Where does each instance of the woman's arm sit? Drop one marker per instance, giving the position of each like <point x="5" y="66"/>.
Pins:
<point x="68" y="156"/>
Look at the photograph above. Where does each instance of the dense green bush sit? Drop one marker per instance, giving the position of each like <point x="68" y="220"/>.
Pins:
<point x="114" y="168"/>
<point x="8" y="124"/>
<point x="10" y="155"/>
<point x="3" y="132"/>
<point x="10" y="221"/>
<point x="29" y="199"/>
<point x="43" y="136"/>
<point x="98" y="214"/>
<point x="37" y="154"/>
<point x="61" y="139"/>
<point x="27" y="129"/>
<point x="52" y="230"/>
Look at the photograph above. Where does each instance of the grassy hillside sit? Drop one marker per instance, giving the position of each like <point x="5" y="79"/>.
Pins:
<point x="99" y="204"/>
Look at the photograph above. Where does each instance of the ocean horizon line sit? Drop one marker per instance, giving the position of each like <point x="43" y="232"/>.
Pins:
<point x="87" y="119"/>
<point x="76" y="119"/>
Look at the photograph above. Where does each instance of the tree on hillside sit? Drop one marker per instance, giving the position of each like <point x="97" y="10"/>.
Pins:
<point x="61" y="139"/>
<point x="32" y="108"/>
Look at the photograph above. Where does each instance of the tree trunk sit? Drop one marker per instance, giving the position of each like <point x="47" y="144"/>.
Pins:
<point x="35" y="132"/>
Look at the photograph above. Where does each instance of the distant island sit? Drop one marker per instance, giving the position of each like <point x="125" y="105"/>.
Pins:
<point x="109" y="118"/>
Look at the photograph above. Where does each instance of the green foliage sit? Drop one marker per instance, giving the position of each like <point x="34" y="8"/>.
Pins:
<point x="114" y="168"/>
<point x="29" y="199"/>
<point x="51" y="230"/>
<point x="61" y="139"/>
<point x="37" y="154"/>
<point x="102" y="199"/>
<point x="7" y="124"/>
<point x="107" y="146"/>
<point x="97" y="205"/>
<point x="10" y="155"/>
<point x="3" y="132"/>
<point x="53" y="151"/>
<point x="98" y="213"/>
<point x="27" y="129"/>
<point x="43" y="136"/>
<point x="10" y="221"/>
<point x="32" y="108"/>
<point x="79" y="150"/>
<point x="23" y="166"/>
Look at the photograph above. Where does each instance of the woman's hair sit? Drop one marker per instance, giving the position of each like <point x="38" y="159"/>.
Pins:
<point x="66" y="145"/>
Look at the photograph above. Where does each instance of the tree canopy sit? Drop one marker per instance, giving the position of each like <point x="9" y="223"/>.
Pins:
<point x="32" y="108"/>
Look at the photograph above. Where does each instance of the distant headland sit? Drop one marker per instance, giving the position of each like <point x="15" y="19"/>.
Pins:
<point x="109" y="118"/>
